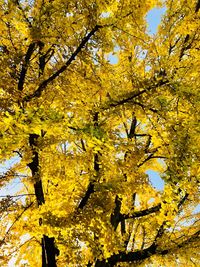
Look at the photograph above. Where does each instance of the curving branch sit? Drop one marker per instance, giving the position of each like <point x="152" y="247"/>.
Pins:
<point x="16" y="220"/>
<point x="44" y="84"/>
<point x="143" y="254"/>
<point x="133" y="95"/>
<point x="127" y="257"/>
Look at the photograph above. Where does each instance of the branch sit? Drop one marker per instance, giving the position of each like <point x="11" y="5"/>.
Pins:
<point x="116" y="215"/>
<point x="29" y="53"/>
<point x="145" y="107"/>
<point x="190" y="239"/>
<point x="132" y="129"/>
<point x="151" y="210"/>
<point x="141" y="213"/>
<point x="90" y="188"/>
<point x="145" y="160"/>
<point x="17" y="219"/>
<point x="84" y="200"/>
<point x="183" y="200"/>
<point x="22" y="195"/>
<point x="197" y="6"/>
<point x="186" y="46"/>
<point x="44" y="84"/>
<point x="161" y="229"/>
<point x="134" y="95"/>
<point x="127" y="257"/>
<point x="143" y="253"/>
<point x="24" y="15"/>
<point x="34" y="167"/>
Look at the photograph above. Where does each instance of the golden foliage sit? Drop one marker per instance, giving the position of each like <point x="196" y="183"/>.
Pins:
<point x="84" y="132"/>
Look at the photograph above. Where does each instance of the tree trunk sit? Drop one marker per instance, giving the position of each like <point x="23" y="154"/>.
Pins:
<point x="49" y="251"/>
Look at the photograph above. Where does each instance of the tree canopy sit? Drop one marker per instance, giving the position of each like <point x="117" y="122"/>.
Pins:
<point x="83" y="131"/>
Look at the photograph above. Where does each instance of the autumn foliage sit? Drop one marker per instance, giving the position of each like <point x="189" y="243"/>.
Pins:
<point x="90" y="102"/>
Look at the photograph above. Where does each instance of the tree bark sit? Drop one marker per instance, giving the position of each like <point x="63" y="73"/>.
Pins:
<point x="49" y="251"/>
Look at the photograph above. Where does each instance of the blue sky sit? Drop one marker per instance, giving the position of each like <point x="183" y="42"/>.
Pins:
<point x="154" y="17"/>
<point x="16" y="185"/>
<point x="155" y="179"/>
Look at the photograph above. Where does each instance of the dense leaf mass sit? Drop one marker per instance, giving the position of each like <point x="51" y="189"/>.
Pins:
<point x="90" y="102"/>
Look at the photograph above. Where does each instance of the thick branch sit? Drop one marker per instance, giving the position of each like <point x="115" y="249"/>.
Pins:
<point x="144" y="253"/>
<point x="49" y="250"/>
<point x="34" y="167"/>
<point x="29" y="53"/>
<point x="133" y="126"/>
<point x="127" y="257"/>
<point x="44" y="84"/>
<point x="87" y="195"/>
<point x="90" y="188"/>
<point x="116" y="215"/>
<point x="148" y="252"/>
<point x="151" y="210"/>
<point x="141" y="213"/>
<point x="197" y="6"/>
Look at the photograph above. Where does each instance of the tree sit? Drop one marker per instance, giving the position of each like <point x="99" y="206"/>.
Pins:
<point x="84" y="132"/>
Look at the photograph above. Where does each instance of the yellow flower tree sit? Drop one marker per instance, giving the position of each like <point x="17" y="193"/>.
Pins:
<point x="84" y="132"/>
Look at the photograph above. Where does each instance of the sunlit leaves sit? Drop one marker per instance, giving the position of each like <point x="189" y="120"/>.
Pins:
<point x="97" y="128"/>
